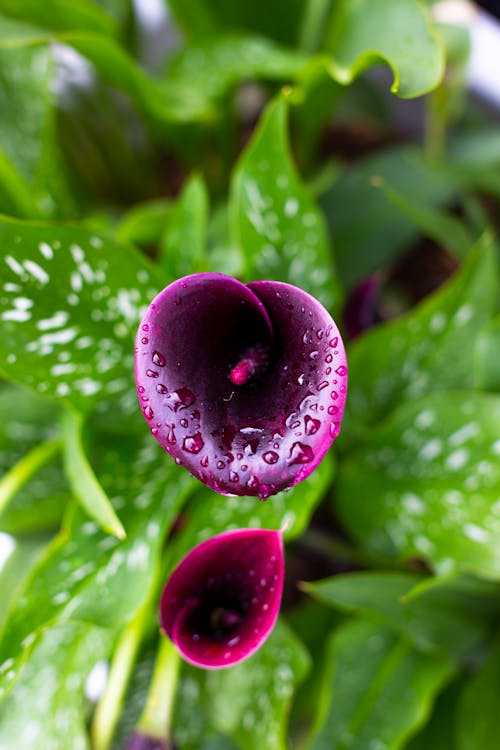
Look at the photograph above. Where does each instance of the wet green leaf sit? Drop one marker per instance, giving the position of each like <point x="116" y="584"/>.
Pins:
<point x="433" y="475"/>
<point x="47" y="708"/>
<point x="377" y="689"/>
<point x="70" y="303"/>
<point x="487" y="357"/>
<point x="396" y="32"/>
<point x="274" y="218"/>
<point x="87" y="575"/>
<point x="430" y="348"/>
<point x="249" y="702"/>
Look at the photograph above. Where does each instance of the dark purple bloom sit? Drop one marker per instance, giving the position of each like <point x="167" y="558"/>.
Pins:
<point x="141" y="741"/>
<point x="221" y="602"/>
<point x="244" y="385"/>
<point x="360" y="311"/>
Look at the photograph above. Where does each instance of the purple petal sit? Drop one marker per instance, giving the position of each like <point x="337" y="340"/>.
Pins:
<point x="244" y="385"/>
<point x="360" y="311"/>
<point x="221" y="602"/>
<point x="141" y="741"/>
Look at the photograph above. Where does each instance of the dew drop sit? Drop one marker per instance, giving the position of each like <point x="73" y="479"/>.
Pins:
<point x="152" y="373"/>
<point x="161" y="388"/>
<point x="145" y="327"/>
<point x="154" y="430"/>
<point x="332" y="410"/>
<point x="220" y="465"/>
<point x="148" y="412"/>
<point x="180" y="399"/>
<point x="271" y="457"/>
<point x="300" y="454"/>
<point x="195" y="414"/>
<point x="311" y="425"/>
<point x="144" y="340"/>
<point x="141" y="389"/>
<point x="328" y="370"/>
<point x="300" y="379"/>
<point x="194" y="444"/>
<point x="341" y="370"/>
<point x="253" y="483"/>
<point x="171" y="439"/>
<point x="334" y="395"/>
<point x="178" y="461"/>
<point x="158" y="359"/>
<point x="334" y="342"/>
<point x="322" y="385"/>
<point x="319" y="334"/>
<point x="264" y="492"/>
<point x="244" y="467"/>
<point x="184" y="423"/>
<point x="234" y="476"/>
<point x="204" y="461"/>
<point x="329" y="357"/>
<point x="314" y="354"/>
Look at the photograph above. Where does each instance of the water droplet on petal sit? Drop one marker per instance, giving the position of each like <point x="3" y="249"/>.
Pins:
<point x="220" y="465"/>
<point x="323" y="385"/>
<point x="270" y="457"/>
<point x="314" y="354"/>
<point x="204" y="461"/>
<point x="148" y="412"/>
<point x="329" y="357"/>
<point x="341" y="370"/>
<point x="253" y="483"/>
<point x="145" y="327"/>
<point x="158" y="359"/>
<point x="152" y="373"/>
<point x="180" y="399"/>
<point x="194" y="444"/>
<point x="332" y="410"/>
<point x="234" y="477"/>
<point x="300" y="454"/>
<point x="334" y="342"/>
<point x="161" y="388"/>
<point x="144" y="340"/>
<point x="311" y="425"/>
<point x="141" y="389"/>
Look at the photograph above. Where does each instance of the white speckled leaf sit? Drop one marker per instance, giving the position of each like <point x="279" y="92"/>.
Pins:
<point x="274" y="218"/>
<point x="249" y="702"/>
<point x="426" y="483"/>
<point x="377" y="690"/>
<point x="47" y="707"/>
<point x="431" y="348"/>
<point x="70" y="303"/>
<point x="88" y="575"/>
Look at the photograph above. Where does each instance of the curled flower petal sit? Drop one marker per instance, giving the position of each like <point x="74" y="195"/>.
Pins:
<point x="244" y="385"/>
<point x="142" y="741"/>
<point x="221" y="602"/>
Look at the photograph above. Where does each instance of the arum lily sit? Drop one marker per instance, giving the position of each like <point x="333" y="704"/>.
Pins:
<point x="222" y="600"/>
<point x="244" y="385"/>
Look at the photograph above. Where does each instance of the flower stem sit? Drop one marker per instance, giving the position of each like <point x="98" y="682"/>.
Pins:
<point x="156" y="717"/>
<point x="25" y="469"/>
<point x="110" y="705"/>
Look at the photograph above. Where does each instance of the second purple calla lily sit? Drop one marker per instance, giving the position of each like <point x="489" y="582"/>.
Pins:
<point x="221" y="602"/>
<point x="243" y="384"/>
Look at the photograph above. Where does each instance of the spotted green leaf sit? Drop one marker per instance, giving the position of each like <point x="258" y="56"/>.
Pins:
<point x="274" y="218"/>
<point x="88" y="575"/>
<point x="249" y="702"/>
<point x="377" y="689"/>
<point x="70" y="302"/>
<point x="433" y="475"/>
<point x="441" y="617"/>
<point x="396" y="32"/>
<point x="47" y="707"/>
<point x="428" y="349"/>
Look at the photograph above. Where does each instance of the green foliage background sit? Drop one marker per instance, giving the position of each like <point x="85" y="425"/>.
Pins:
<point x="123" y="167"/>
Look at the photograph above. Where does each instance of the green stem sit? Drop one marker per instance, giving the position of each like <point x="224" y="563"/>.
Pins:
<point x="156" y="718"/>
<point x="313" y="24"/>
<point x="26" y="468"/>
<point x="110" y="705"/>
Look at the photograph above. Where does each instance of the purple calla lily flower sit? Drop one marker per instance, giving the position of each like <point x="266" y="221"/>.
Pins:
<point x="221" y="602"/>
<point x="141" y="741"/>
<point x="244" y="385"/>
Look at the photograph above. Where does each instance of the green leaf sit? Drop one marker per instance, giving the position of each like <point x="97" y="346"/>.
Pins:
<point x="446" y="230"/>
<point x="36" y="492"/>
<point x="87" y="575"/>
<point x="428" y="349"/>
<point x="144" y="223"/>
<point x="438" y="733"/>
<point x="47" y="708"/>
<point x="487" y="357"/>
<point x="440" y="618"/>
<point x="83" y="481"/>
<point x="209" y="514"/>
<point x="274" y="218"/>
<point x="434" y="478"/>
<point x="395" y="32"/>
<point x="182" y="247"/>
<point x="249" y="702"/>
<point x="377" y="689"/>
<point x="17" y="567"/>
<point x="59" y="14"/>
<point x="476" y="723"/>
<point x="366" y="230"/>
<point x="69" y="307"/>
